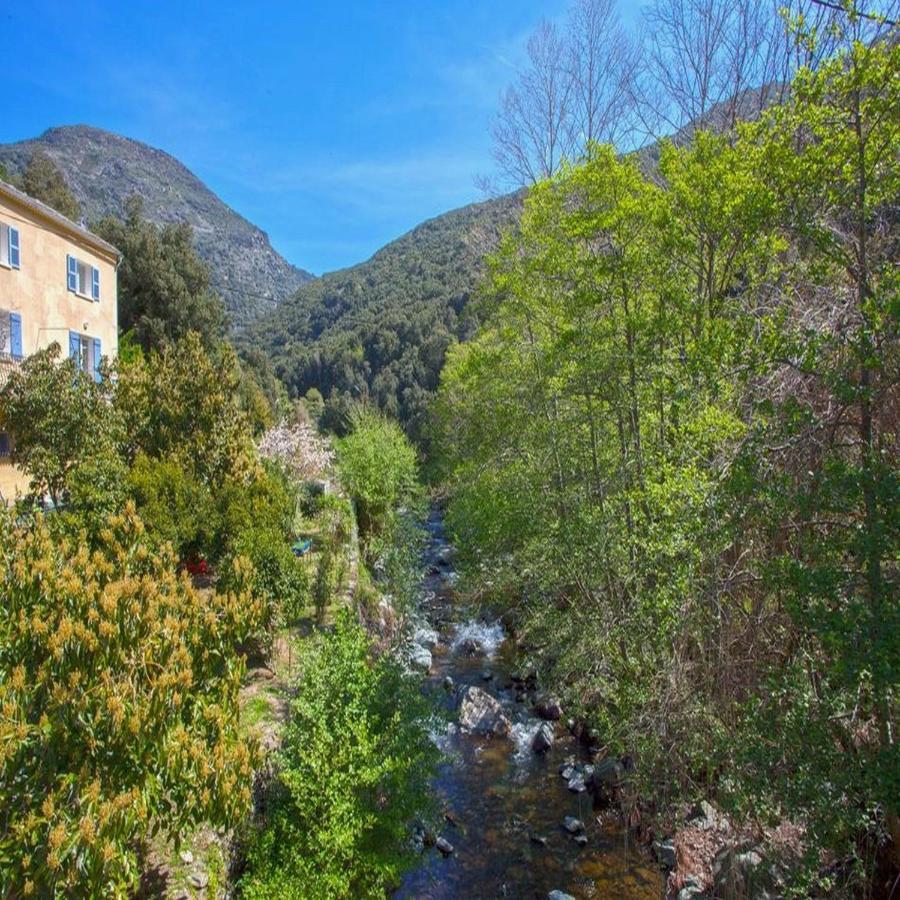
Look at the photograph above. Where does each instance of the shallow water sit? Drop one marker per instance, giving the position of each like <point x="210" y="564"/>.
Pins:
<point x="497" y="792"/>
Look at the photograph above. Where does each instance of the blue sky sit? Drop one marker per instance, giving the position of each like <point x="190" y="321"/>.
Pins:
<point x="334" y="126"/>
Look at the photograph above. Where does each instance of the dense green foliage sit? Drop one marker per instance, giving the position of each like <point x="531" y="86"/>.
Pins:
<point x="379" y="469"/>
<point x="118" y="688"/>
<point x="164" y="290"/>
<point x="675" y="442"/>
<point x="43" y="180"/>
<point x="352" y="776"/>
<point x="171" y="433"/>
<point x="380" y="330"/>
<point x="61" y="419"/>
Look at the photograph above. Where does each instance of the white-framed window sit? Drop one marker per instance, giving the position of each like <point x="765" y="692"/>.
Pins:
<point x="82" y="278"/>
<point x="9" y="246"/>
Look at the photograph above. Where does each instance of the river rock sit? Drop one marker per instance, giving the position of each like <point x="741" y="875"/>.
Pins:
<point x="664" y="851"/>
<point x="573" y="825"/>
<point x="581" y="840"/>
<point x="576" y="784"/>
<point x="606" y="775"/>
<point x="691" y="890"/>
<point x="543" y="739"/>
<point x="448" y="683"/>
<point x="487" y="676"/>
<point x="426" y="636"/>
<point x="549" y="709"/>
<point x="186" y="857"/>
<point x="481" y="713"/>
<point x="559" y="895"/>
<point x="420" y="657"/>
<point x="199" y="879"/>
<point x="740" y="872"/>
<point x="567" y="773"/>
<point x="444" y="846"/>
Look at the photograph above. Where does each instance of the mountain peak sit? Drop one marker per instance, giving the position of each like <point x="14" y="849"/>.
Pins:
<point x="103" y="169"/>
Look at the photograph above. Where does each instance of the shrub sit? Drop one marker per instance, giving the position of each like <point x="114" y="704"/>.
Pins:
<point x="174" y="505"/>
<point x="119" y="698"/>
<point x="60" y="418"/>
<point x="266" y="500"/>
<point x="279" y="579"/>
<point x="183" y="403"/>
<point x="354" y="768"/>
<point x="379" y="469"/>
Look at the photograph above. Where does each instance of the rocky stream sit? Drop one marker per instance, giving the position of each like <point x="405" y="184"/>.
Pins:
<point x="515" y="785"/>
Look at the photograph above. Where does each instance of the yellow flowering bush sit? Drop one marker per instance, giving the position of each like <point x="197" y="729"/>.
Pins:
<point x="118" y="706"/>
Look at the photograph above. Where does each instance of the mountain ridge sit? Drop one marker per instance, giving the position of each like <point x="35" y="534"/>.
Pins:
<point x="104" y="168"/>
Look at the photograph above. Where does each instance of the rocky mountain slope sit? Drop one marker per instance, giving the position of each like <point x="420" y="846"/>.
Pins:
<point x="104" y="169"/>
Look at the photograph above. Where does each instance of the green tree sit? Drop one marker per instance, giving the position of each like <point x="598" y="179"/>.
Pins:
<point x="353" y="773"/>
<point x="119" y="688"/>
<point x="61" y="421"/>
<point x="164" y="290"/>
<point x="830" y="152"/>
<point x="183" y="403"/>
<point x="379" y="469"/>
<point x="43" y="180"/>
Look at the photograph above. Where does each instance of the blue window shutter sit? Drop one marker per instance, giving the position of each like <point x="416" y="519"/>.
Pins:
<point x="15" y="335"/>
<point x="95" y="283"/>
<point x="98" y="355"/>
<point x="72" y="272"/>
<point x="13" y="236"/>
<point x="74" y="345"/>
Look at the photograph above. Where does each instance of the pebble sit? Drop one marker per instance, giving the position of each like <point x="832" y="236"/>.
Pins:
<point x="573" y="825"/>
<point x="559" y="895"/>
<point x="581" y="840"/>
<point x="199" y="879"/>
<point x="186" y="857"/>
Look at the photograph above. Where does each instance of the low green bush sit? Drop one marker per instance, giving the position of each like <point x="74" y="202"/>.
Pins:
<point x="279" y="578"/>
<point x="354" y="770"/>
<point x="175" y="506"/>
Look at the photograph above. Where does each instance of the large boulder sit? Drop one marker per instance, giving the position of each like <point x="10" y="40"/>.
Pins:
<point x="481" y="713"/>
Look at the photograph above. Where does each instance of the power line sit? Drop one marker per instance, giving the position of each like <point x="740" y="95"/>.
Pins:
<point x="872" y="17"/>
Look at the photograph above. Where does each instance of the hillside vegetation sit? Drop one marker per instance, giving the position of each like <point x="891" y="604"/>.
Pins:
<point x="380" y="330"/>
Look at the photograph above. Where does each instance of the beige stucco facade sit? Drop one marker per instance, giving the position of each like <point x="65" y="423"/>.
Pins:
<point x="37" y="295"/>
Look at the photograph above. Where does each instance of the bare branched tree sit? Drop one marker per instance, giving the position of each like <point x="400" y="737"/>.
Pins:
<point x="533" y="131"/>
<point x="602" y="64"/>
<point x="694" y="64"/>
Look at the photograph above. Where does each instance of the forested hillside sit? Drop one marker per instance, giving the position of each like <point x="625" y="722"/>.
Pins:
<point x="379" y="330"/>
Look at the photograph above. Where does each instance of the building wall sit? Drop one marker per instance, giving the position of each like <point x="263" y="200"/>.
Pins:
<point x="38" y="292"/>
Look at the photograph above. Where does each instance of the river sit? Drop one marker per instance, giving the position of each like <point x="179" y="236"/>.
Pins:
<point x="502" y="800"/>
